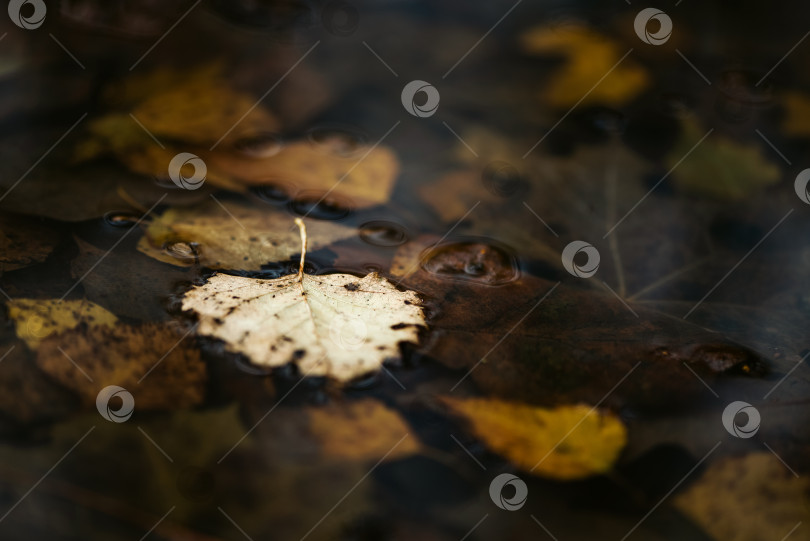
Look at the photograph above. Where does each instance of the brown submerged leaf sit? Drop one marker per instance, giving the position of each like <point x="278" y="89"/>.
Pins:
<point x="170" y="369"/>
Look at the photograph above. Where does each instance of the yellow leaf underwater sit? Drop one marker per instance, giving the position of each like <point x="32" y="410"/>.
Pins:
<point x="748" y="498"/>
<point x="196" y="106"/>
<point x="566" y="442"/>
<point x="718" y="167"/>
<point x="235" y="235"/>
<point x="364" y="176"/>
<point x="589" y="56"/>
<point x="361" y="430"/>
<point x="36" y="319"/>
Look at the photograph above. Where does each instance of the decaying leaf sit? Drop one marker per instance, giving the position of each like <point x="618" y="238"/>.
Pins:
<point x="173" y="374"/>
<point x="36" y="319"/>
<point x="566" y="442"/>
<point x="24" y="241"/>
<point x="232" y="236"/>
<point x="719" y="167"/>
<point x="748" y="498"/>
<point x="589" y="56"/>
<point x="334" y="325"/>
<point x="365" y="175"/>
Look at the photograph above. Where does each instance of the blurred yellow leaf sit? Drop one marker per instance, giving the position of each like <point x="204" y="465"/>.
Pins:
<point x="365" y="176"/>
<point x="748" y="498"/>
<point x="719" y="167"/>
<point x="589" y="56"/>
<point x="36" y="319"/>
<point x="566" y="442"/>
<point x="361" y="430"/>
<point x="797" y="114"/>
<point x="196" y="106"/>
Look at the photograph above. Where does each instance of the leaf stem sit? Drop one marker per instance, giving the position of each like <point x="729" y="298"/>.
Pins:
<point x="303" y="230"/>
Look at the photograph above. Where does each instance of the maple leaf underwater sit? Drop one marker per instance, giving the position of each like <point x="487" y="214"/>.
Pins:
<point x="335" y="325"/>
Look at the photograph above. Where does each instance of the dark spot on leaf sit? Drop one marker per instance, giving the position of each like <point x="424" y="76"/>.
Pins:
<point x="352" y="286"/>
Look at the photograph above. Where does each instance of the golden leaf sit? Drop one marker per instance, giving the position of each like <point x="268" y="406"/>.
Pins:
<point x="36" y="319"/>
<point x="589" y="56"/>
<point x="566" y="442"/>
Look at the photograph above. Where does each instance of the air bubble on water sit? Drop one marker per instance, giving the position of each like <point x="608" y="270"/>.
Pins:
<point x="120" y="219"/>
<point x="383" y="233"/>
<point x="186" y="251"/>
<point x="472" y="261"/>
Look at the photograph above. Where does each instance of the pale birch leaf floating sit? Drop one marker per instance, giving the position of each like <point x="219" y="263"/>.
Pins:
<point x="335" y="325"/>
